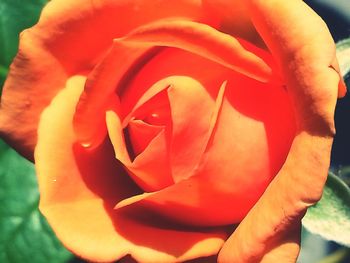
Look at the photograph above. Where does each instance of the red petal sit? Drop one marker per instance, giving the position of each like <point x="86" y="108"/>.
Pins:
<point x="141" y="134"/>
<point x="249" y="144"/>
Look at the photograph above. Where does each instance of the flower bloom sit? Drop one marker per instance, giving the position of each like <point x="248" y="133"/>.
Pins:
<point x="158" y="126"/>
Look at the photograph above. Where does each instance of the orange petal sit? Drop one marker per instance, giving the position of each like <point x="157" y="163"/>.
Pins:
<point x="103" y="81"/>
<point x="192" y="109"/>
<point x="61" y="20"/>
<point x="79" y="189"/>
<point x="234" y="19"/>
<point x="306" y="57"/>
<point x="301" y="43"/>
<point x="205" y="41"/>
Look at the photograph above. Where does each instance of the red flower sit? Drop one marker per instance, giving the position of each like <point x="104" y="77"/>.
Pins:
<point x="161" y="123"/>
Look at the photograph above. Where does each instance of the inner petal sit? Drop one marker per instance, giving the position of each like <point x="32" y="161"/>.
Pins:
<point x="140" y="135"/>
<point x="187" y="121"/>
<point x="150" y="116"/>
<point x="153" y="107"/>
<point x="249" y="143"/>
<point x="192" y="109"/>
<point x="150" y="169"/>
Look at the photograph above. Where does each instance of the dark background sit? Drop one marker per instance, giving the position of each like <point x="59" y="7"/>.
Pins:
<point x="336" y="13"/>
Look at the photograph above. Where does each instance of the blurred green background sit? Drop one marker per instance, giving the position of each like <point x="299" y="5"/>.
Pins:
<point x="25" y="236"/>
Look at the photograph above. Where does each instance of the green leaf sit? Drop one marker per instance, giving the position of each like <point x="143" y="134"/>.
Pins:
<point x="330" y="217"/>
<point x="15" y="15"/>
<point x="343" y="55"/>
<point x="25" y="235"/>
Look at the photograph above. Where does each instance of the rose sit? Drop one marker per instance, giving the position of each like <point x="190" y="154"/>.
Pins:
<point x="81" y="185"/>
<point x="79" y="206"/>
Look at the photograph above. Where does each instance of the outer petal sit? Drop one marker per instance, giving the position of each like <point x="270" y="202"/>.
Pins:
<point x="203" y="40"/>
<point x="80" y="187"/>
<point x="29" y="86"/>
<point x="301" y="43"/>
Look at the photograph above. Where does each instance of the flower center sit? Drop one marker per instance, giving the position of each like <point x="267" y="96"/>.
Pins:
<point x="146" y="123"/>
<point x="156" y="118"/>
